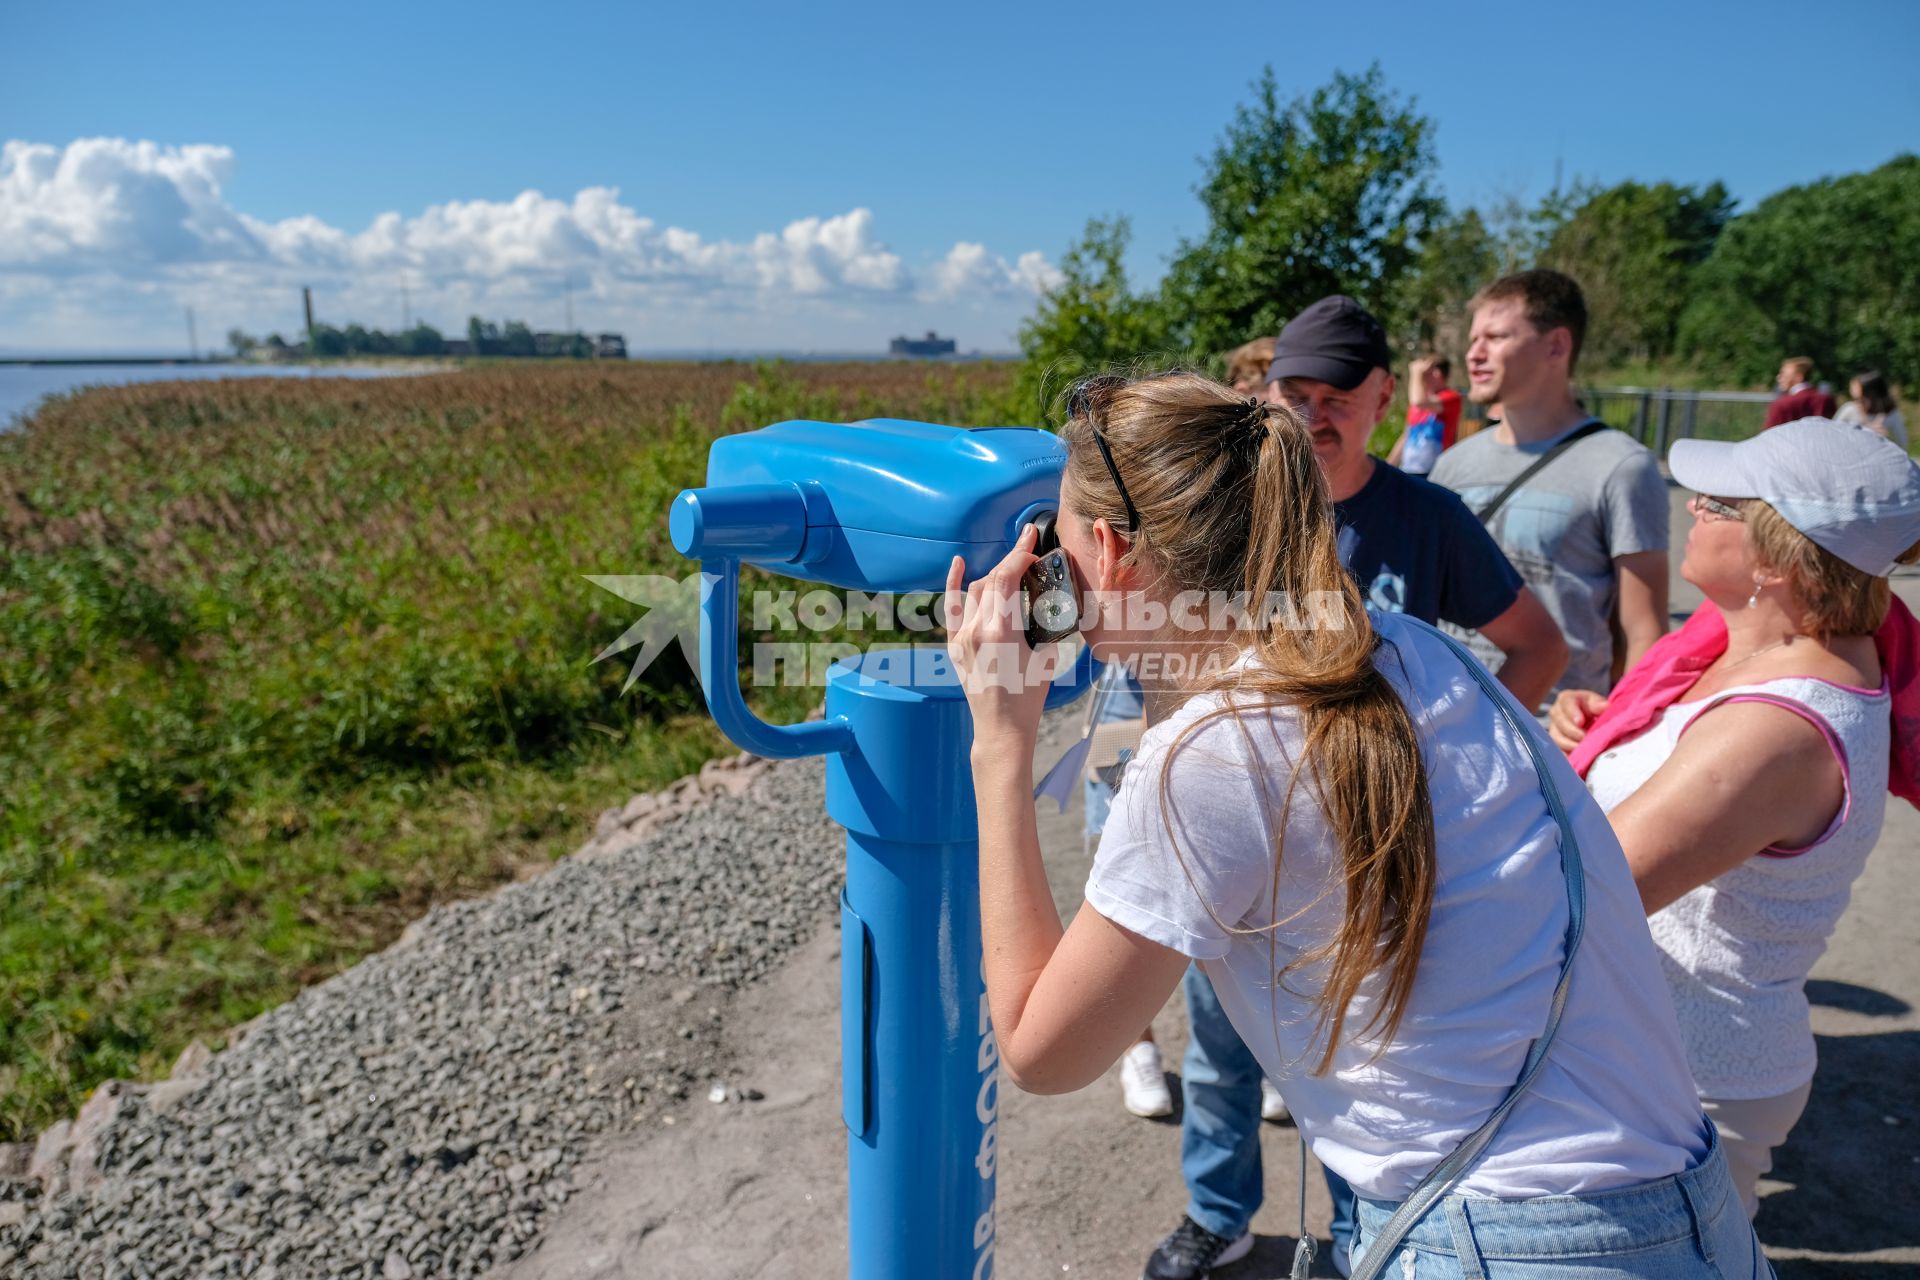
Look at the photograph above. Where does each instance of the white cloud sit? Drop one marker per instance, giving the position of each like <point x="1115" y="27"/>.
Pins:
<point x="970" y="268"/>
<point x="1035" y="274"/>
<point x="141" y="213"/>
<point x="106" y="201"/>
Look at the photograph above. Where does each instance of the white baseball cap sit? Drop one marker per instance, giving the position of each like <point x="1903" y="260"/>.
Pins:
<point x="1849" y="490"/>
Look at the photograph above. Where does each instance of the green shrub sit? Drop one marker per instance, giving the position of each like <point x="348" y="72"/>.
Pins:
<point x="283" y="664"/>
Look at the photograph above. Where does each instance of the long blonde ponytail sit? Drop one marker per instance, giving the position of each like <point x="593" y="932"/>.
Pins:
<point x="1231" y="499"/>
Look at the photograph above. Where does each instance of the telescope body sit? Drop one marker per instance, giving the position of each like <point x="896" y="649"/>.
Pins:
<point x="870" y="506"/>
<point x="884" y="506"/>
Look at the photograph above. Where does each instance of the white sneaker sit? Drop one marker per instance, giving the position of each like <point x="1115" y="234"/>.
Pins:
<point x="1143" y="1083"/>
<point x="1273" y="1107"/>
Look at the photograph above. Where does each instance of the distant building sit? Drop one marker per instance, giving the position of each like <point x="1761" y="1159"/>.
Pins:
<point x="931" y="345"/>
<point x="610" y="346"/>
<point x="456" y="347"/>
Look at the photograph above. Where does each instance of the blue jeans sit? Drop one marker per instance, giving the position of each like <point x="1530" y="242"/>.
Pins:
<point x="1125" y="701"/>
<point x="1340" y="1229"/>
<point x="1220" y="1125"/>
<point x="1689" y="1225"/>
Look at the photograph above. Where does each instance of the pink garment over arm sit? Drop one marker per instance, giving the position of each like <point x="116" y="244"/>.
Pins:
<point x="1674" y="663"/>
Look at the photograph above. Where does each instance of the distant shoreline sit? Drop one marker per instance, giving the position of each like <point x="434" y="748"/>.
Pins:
<point x="67" y="361"/>
<point x="419" y="363"/>
<point x="429" y="363"/>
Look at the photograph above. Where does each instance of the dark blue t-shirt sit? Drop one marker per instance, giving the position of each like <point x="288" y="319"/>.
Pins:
<point x="1414" y="548"/>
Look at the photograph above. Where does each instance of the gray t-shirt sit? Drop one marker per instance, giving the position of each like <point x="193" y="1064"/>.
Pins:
<point x="1603" y="497"/>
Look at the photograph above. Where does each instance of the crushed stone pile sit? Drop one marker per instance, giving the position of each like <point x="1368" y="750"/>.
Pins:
<point x="419" y="1114"/>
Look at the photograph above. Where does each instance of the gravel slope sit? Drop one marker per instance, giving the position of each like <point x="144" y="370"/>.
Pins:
<point x="422" y="1113"/>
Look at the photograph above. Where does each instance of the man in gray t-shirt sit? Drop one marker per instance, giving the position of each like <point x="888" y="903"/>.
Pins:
<point x="1589" y="530"/>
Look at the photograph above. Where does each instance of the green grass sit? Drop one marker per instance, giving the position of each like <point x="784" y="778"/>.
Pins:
<point x="283" y="664"/>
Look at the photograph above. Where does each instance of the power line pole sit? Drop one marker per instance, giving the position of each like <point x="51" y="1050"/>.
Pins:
<point x="193" y="341"/>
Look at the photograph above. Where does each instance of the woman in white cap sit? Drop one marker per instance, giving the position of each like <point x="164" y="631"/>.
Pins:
<point x="1744" y="763"/>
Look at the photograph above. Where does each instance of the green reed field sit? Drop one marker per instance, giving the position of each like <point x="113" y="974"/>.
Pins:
<point x="285" y="663"/>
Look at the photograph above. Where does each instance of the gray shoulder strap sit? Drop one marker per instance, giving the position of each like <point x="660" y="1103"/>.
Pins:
<point x="1449" y="1171"/>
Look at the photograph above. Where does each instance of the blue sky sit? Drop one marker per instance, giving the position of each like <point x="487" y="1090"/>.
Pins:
<point x="977" y="139"/>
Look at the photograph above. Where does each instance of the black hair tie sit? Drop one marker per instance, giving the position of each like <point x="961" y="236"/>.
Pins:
<point x="1249" y="430"/>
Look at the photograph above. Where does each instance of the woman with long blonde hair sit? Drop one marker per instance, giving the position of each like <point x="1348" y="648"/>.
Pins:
<point x="1411" y="910"/>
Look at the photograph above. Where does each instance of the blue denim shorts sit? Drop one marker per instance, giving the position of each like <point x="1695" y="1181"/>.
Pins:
<point x="1691" y="1224"/>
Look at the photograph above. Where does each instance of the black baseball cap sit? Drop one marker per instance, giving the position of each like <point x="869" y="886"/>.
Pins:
<point x="1335" y="341"/>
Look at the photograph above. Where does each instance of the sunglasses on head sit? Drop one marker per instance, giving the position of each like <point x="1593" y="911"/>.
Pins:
<point x="1088" y="400"/>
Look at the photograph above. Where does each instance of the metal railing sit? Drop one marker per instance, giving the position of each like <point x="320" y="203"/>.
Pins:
<point x="1657" y="416"/>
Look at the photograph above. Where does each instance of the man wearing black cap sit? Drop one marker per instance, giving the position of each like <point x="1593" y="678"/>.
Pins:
<point x="1414" y="548"/>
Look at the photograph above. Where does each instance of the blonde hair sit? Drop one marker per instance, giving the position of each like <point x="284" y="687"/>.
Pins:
<point x="1252" y="358"/>
<point x="1802" y="367"/>
<point x="1231" y="498"/>
<point x="1835" y="598"/>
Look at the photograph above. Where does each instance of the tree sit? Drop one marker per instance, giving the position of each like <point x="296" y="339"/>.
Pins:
<point x="1635" y="249"/>
<point x="1829" y="270"/>
<point x="327" y="341"/>
<point x="1458" y="256"/>
<point x="421" y="340"/>
<point x="1092" y="320"/>
<point x="1329" y="194"/>
<point x="241" y="341"/>
<point x="516" y="339"/>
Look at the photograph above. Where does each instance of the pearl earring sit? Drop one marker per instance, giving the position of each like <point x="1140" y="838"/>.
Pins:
<point x="1753" y="601"/>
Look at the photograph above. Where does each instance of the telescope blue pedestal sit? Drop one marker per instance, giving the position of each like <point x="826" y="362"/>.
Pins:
<point x="884" y="506"/>
<point x="920" y="1078"/>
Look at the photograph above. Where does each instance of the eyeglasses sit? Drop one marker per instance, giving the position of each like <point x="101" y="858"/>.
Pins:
<point x="1710" y="509"/>
<point x="1088" y="397"/>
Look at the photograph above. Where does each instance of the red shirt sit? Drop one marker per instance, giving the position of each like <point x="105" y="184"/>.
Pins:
<point x="1448" y="412"/>
<point x="1807" y="402"/>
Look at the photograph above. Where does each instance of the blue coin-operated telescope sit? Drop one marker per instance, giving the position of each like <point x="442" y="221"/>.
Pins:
<point x="885" y="506"/>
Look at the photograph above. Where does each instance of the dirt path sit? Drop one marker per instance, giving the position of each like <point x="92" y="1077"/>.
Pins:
<point x="751" y="1189"/>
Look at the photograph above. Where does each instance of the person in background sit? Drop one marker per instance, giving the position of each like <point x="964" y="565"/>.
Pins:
<point x="1411" y="547"/>
<point x="1398" y="937"/>
<point x="1579" y="508"/>
<point x="1433" y="416"/>
<point x="1745" y="763"/>
<point x="1143" y="1075"/>
<point x="1873" y="407"/>
<point x="1798" y="397"/>
<point x="1247" y="366"/>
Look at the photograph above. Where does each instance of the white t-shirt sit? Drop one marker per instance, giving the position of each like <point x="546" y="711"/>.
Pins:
<point x="1614" y="1105"/>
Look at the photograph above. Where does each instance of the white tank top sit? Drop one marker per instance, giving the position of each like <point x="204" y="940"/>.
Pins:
<point x="1737" y="950"/>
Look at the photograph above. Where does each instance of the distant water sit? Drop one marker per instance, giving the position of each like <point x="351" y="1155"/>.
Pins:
<point x="23" y="387"/>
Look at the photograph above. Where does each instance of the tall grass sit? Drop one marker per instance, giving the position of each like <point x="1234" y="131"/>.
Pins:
<point x="284" y="663"/>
